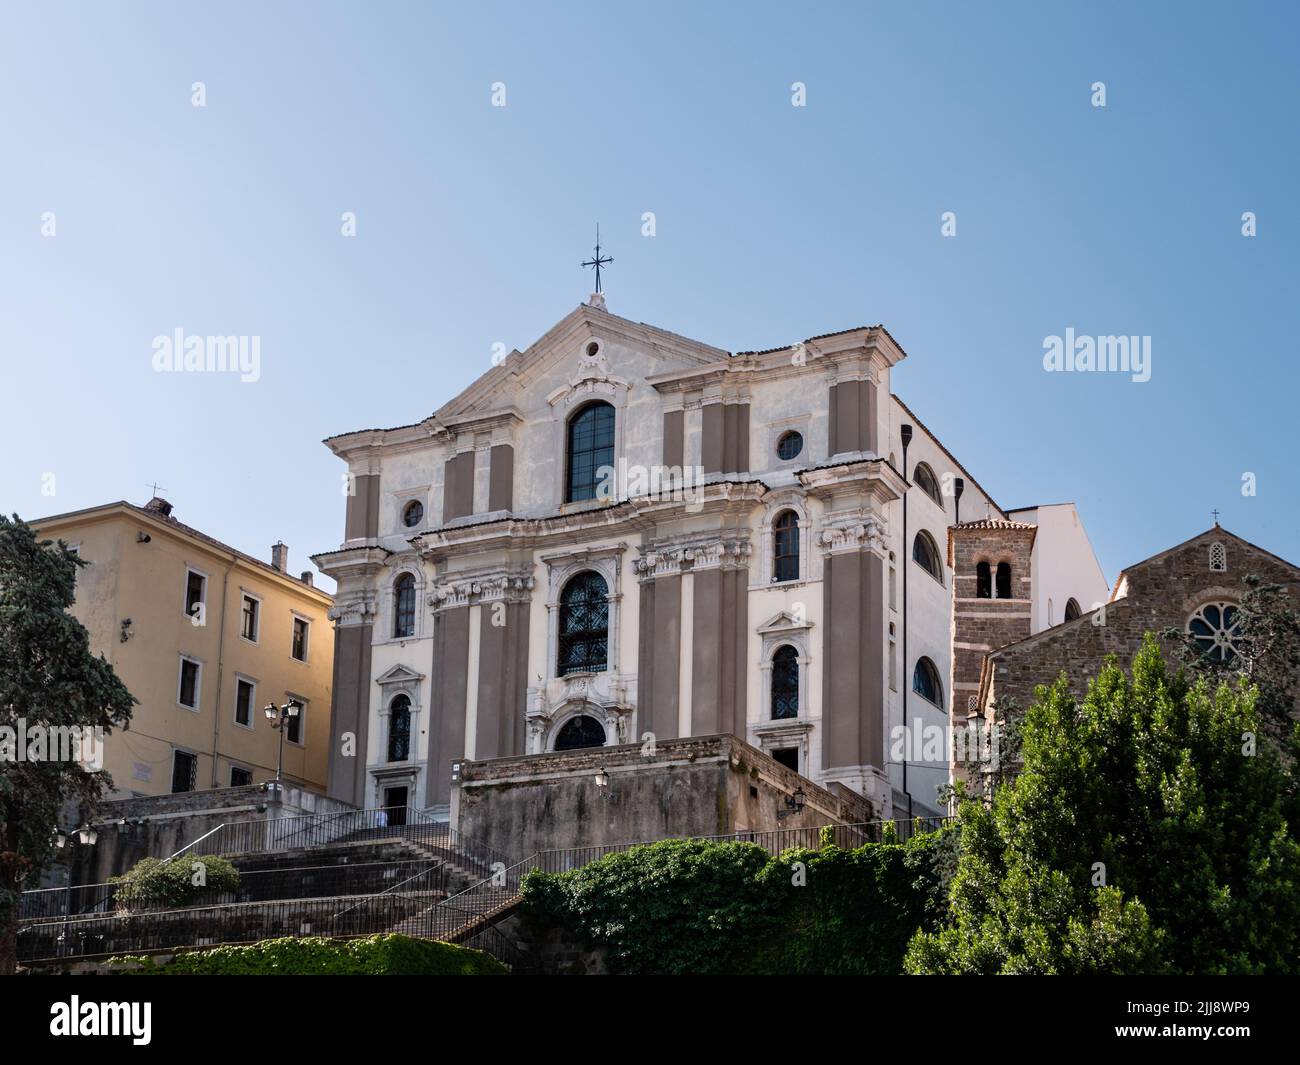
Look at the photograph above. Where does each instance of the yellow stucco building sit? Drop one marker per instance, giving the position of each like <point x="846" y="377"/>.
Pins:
<point x="204" y="636"/>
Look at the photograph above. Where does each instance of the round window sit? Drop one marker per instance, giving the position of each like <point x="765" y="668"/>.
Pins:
<point x="412" y="513"/>
<point x="1214" y="628"/>
<point x="789" y="445"/>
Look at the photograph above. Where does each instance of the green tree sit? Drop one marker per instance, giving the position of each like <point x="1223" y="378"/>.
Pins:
<point x="1266" y="645"/>
<point x="1146" y="832"/>
<point x="48" y="680"/>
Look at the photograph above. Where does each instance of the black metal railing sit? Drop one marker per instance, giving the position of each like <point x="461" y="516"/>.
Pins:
<point x="255" y="885"/>
<point x="352" y="826"/>
<point x="200" y="926"/>
<point x="773" y="841"/>
<point x="417" y="905"/>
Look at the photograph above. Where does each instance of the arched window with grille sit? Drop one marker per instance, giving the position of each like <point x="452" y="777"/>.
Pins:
<point x="399" y="729"/>
<point x="785" y="683"/>
<point x="983" y="581"/>
<point x="1004" y="580"/>
<point x="590" y="447"/>
<point x="1072" y="610"/>
<point x="926" y="555"/>
<point x="785" y="546"/>
<point x="584" y="625"/>
<point x="404" y="606"/>
<point x="925" y="682"/>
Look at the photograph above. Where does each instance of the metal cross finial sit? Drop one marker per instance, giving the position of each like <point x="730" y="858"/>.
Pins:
<point x="1216" y="517"/>
<point x="598" y="261"/>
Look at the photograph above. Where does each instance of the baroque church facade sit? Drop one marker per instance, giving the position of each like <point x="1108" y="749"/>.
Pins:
<point x="622" y="534"/>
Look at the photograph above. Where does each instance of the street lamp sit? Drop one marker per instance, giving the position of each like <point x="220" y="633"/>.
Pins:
<point x="794" y="804"/>
<point x="280" y="716"/>
<point x="87" y="835"/>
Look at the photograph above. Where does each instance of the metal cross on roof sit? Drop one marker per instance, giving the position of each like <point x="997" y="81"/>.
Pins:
<point x="598" y="261"/>
<point x="1216" y="517"/>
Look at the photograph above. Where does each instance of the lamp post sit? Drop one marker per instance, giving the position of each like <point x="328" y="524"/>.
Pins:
<point x="280" y="716"/>
<point x="794" y="804"/>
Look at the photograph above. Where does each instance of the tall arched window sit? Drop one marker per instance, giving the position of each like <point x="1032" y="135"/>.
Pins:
<point x="578" y="732"/>
<point x="399" y="729"/>
<point x="923" y="477"/>
<point x="1072" y="610"/>
<point x="926" y="555"/>
<point x="785" y="683"/>
<point x="404" y="606"/>
<point x="983" y="581"/>
<point x="1004" y="580"/>
<point x="584" y="625"/>
<point x="925" y="681"/>
<point x="785" y="546"/>
<point x="591" y="446"/>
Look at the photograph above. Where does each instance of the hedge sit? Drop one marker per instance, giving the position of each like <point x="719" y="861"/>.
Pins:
<point x="695" y="906"/>
<point x="380" y="955"/>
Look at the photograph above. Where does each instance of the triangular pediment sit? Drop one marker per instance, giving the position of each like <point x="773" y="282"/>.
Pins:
<point x="1237" y="553"/>
<point x="564" y="343"/>
<point x="784" y="621"/>
<point x="399" y="674"/>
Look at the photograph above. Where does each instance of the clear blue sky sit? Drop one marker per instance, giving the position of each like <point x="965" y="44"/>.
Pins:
<point x="774" y="223"/>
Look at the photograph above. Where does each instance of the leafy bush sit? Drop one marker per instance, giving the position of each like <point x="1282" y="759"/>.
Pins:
<point x="1152" y="828"/>
<point x="380" y="955"/>
<point x="154" y="884"/>
<point x="695" y="906"/>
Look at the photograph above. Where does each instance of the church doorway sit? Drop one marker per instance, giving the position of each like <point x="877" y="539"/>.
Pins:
<point x="578" y="732"/>
<point x="395" y="806"/>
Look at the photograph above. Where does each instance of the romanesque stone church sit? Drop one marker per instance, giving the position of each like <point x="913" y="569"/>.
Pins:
<point x="1195" y="587"/>
<point x="621" y="533"/>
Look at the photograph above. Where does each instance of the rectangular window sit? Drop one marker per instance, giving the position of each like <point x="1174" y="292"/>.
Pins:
<point x="195" y="589"/>
<point x="185" y="768"/>
<point x="893" y="666"/>
<point x="187" y="693"/>
<point x="300" y="627"/>
<point x="244" y="691"/>
<point x="240" y="777"/>
<point x="248" y="624"/>
<point x="295" y="723"/>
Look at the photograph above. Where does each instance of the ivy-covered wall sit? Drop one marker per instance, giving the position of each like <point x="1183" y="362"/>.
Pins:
<point x="693" y="906"/>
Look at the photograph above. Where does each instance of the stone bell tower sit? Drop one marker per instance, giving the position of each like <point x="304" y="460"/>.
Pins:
<point x="992" y="604"/>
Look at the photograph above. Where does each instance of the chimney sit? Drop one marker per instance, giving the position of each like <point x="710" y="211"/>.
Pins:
<point x="306" y="578"/>
<point x="280" y="556"/>
<point x="159" y="506"/>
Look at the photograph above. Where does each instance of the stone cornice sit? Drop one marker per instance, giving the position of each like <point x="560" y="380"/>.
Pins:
<point x="353" y="563"/>
<point x="628" y="517"/>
